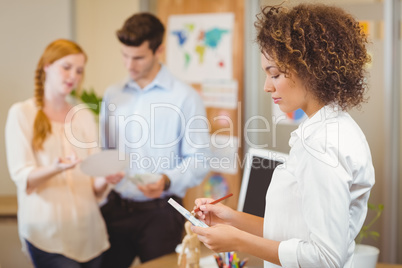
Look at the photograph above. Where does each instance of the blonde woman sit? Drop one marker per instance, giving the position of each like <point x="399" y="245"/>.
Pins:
<point x="59" y="221"/>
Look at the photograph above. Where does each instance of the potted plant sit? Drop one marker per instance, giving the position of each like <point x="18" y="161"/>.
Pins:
<point x="366" y="256"/>
<point x="88" y="97"/>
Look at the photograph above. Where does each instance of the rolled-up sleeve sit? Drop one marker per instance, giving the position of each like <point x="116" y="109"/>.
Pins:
<point x="286" y="253"/>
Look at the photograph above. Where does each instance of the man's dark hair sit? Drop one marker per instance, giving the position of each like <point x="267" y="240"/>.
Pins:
<point x="142" y="27"/>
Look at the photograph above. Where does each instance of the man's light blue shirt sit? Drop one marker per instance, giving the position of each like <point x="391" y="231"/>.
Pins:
<point x="162" y="128"/>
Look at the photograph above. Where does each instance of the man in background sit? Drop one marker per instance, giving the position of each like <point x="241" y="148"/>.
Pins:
<point x="160" y="123"/>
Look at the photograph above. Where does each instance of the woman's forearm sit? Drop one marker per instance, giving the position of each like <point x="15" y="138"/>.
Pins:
<point x="249" y="223"/>
<point x="40" y="175"/>
<point x="260" y="247"/>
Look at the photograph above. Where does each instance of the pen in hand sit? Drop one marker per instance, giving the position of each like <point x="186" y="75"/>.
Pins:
<point x="213" y="202"/>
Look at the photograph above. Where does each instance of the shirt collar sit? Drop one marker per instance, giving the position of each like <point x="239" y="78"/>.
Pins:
<point x="163" y="80"/>
<point x="307" y="127"/>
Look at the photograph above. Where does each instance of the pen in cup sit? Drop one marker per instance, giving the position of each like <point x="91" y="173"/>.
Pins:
<point x="213" y="202"/>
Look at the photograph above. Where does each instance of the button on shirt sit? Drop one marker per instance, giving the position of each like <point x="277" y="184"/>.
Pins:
<point x="317" y="201"/>
<point x="162" y="128"/>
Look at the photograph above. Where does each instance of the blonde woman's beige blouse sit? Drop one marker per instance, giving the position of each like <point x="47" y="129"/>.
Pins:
<point x="61" y="215"/>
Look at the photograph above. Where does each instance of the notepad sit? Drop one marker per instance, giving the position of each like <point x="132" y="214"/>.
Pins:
<point x="187" y="214"/>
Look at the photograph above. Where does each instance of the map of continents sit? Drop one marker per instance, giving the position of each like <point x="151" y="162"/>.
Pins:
<point x="199" y="46"/>
<point x="209" y="39"/>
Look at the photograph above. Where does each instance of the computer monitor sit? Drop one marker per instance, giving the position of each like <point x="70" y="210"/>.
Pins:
<point x="259" y="167"/>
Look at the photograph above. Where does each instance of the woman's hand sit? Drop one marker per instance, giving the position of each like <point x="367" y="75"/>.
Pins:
<point x="219" y="238"/>
<point x="225" y="238"/>
<point x="68" y="162"/>
<point x="115" y="178"/>
<point x="213" y="214"/>
<point x="100" y="184"/>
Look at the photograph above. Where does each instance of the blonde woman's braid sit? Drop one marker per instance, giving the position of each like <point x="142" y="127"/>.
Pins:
<point x="42" y="125"/>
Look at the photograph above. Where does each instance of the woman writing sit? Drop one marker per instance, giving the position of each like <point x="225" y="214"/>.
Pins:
<point x="58" y="216"/>
<point x="314" y="58"/>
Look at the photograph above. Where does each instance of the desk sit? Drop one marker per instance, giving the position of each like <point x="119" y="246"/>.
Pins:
<point x="170" y="260"/>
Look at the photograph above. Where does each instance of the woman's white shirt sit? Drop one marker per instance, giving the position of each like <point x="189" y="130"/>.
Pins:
<point x="317" y="201"/>
<point x="62" y="214"/>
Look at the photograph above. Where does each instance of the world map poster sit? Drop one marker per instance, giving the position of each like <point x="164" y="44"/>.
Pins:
<point x="199" y="46"/>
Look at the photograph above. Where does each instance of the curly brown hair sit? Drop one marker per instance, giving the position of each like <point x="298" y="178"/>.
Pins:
<point x="323" y="45"/>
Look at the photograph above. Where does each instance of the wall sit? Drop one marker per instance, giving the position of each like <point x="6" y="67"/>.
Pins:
<point x="26" y="27"/>
<point x="96" y="24"/>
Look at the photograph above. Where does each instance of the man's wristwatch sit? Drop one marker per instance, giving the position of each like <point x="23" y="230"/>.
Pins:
<point x="167" y="183"/>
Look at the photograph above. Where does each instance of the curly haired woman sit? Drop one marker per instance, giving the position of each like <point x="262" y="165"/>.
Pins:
<point x="314" y="58"/>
